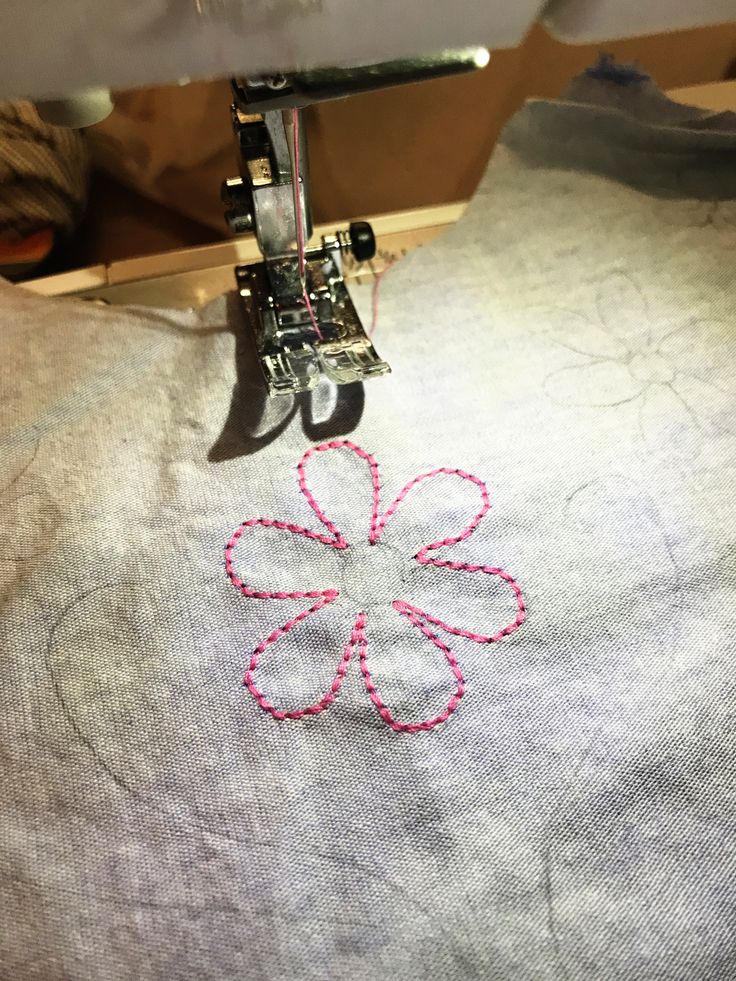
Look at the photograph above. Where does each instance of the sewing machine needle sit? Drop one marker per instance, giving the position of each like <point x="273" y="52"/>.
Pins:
<point x="291" y="127"/>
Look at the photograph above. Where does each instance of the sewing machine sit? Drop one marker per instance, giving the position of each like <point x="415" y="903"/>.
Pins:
<point x="304" y="320"/>
<point x="296" y="52"/>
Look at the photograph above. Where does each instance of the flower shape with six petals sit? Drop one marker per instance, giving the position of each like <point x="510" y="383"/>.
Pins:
<point x="429" y="625"/>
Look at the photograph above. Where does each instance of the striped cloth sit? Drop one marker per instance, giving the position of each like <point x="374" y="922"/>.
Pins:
<point x="43" y="173"/>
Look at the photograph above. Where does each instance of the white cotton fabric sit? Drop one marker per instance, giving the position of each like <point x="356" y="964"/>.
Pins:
<point x="571" y="342"/>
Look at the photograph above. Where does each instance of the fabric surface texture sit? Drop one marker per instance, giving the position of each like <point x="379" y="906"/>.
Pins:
<point x="570" y="345"/>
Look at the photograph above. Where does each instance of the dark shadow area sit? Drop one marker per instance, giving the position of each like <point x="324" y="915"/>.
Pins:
<point x="255" y="420"/>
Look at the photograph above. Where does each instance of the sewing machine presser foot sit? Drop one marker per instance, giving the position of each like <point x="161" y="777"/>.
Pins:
<point x="296" y="346"/>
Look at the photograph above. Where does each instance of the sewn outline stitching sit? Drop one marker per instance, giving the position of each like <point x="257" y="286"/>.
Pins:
<point x="358" y="639"/>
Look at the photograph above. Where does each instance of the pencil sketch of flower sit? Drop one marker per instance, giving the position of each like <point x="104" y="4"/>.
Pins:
<point x="692" y="213"/>
<point x="674" y="369"/>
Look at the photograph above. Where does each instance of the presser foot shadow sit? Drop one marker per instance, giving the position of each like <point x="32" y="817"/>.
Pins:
<point x="255" y="420"/>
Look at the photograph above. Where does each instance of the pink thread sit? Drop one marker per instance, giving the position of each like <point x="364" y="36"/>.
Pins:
<point x="415" y="615"/>
<point x="330" y="695"/>
<point x="338" y="444"/>
<point x="384" y="711"/>
<point x="374" y="295"/>
<point x="283" y="526"/>
<point x="296" y="180"/>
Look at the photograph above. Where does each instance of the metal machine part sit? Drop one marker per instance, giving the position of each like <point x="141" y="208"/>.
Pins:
<point x="52" y="49"/>
<point x="293" y="358"/>
<point x="296" y="301"/>
<point x="302" y="88"/>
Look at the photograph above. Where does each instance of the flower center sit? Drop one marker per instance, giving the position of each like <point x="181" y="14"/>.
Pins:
<point x="372" y="574"/>
<point x="651" y="368"/>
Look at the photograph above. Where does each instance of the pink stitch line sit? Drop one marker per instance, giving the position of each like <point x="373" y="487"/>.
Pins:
<point x="384" y="711"/>
<point x="415" y="615"/>
<point x="407" y="609"/>
<point x="378" y="523"/>
<point x="285" y="526"/>
<point x="337" y="444"/>
<point x="332" y="692"/>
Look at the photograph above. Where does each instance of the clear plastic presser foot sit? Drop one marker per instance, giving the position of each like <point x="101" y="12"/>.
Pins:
<point x="295" y="347"/>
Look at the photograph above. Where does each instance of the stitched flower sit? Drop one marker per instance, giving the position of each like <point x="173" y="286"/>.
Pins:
<point x="673" y="370"/>
<point x="383" y="565"/>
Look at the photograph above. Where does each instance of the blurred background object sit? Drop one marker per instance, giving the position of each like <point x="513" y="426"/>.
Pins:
<point x="159" y="159"/>
<point x="43" y="187"/>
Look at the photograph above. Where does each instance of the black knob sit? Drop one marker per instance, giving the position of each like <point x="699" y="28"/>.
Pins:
<point x="362" y="241"/>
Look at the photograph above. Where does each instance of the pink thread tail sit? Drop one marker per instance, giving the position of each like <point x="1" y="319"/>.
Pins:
<point x="377" y="280"/>
<point x="420" y="619"/>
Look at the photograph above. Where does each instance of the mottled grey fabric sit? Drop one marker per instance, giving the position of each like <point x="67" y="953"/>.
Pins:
<point x="571" y="342"/>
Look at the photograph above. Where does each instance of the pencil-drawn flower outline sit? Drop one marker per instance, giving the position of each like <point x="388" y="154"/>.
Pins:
<point x="694" y="213"/>
<point x="427" y="624"/>
<point x="673" y="370"/>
